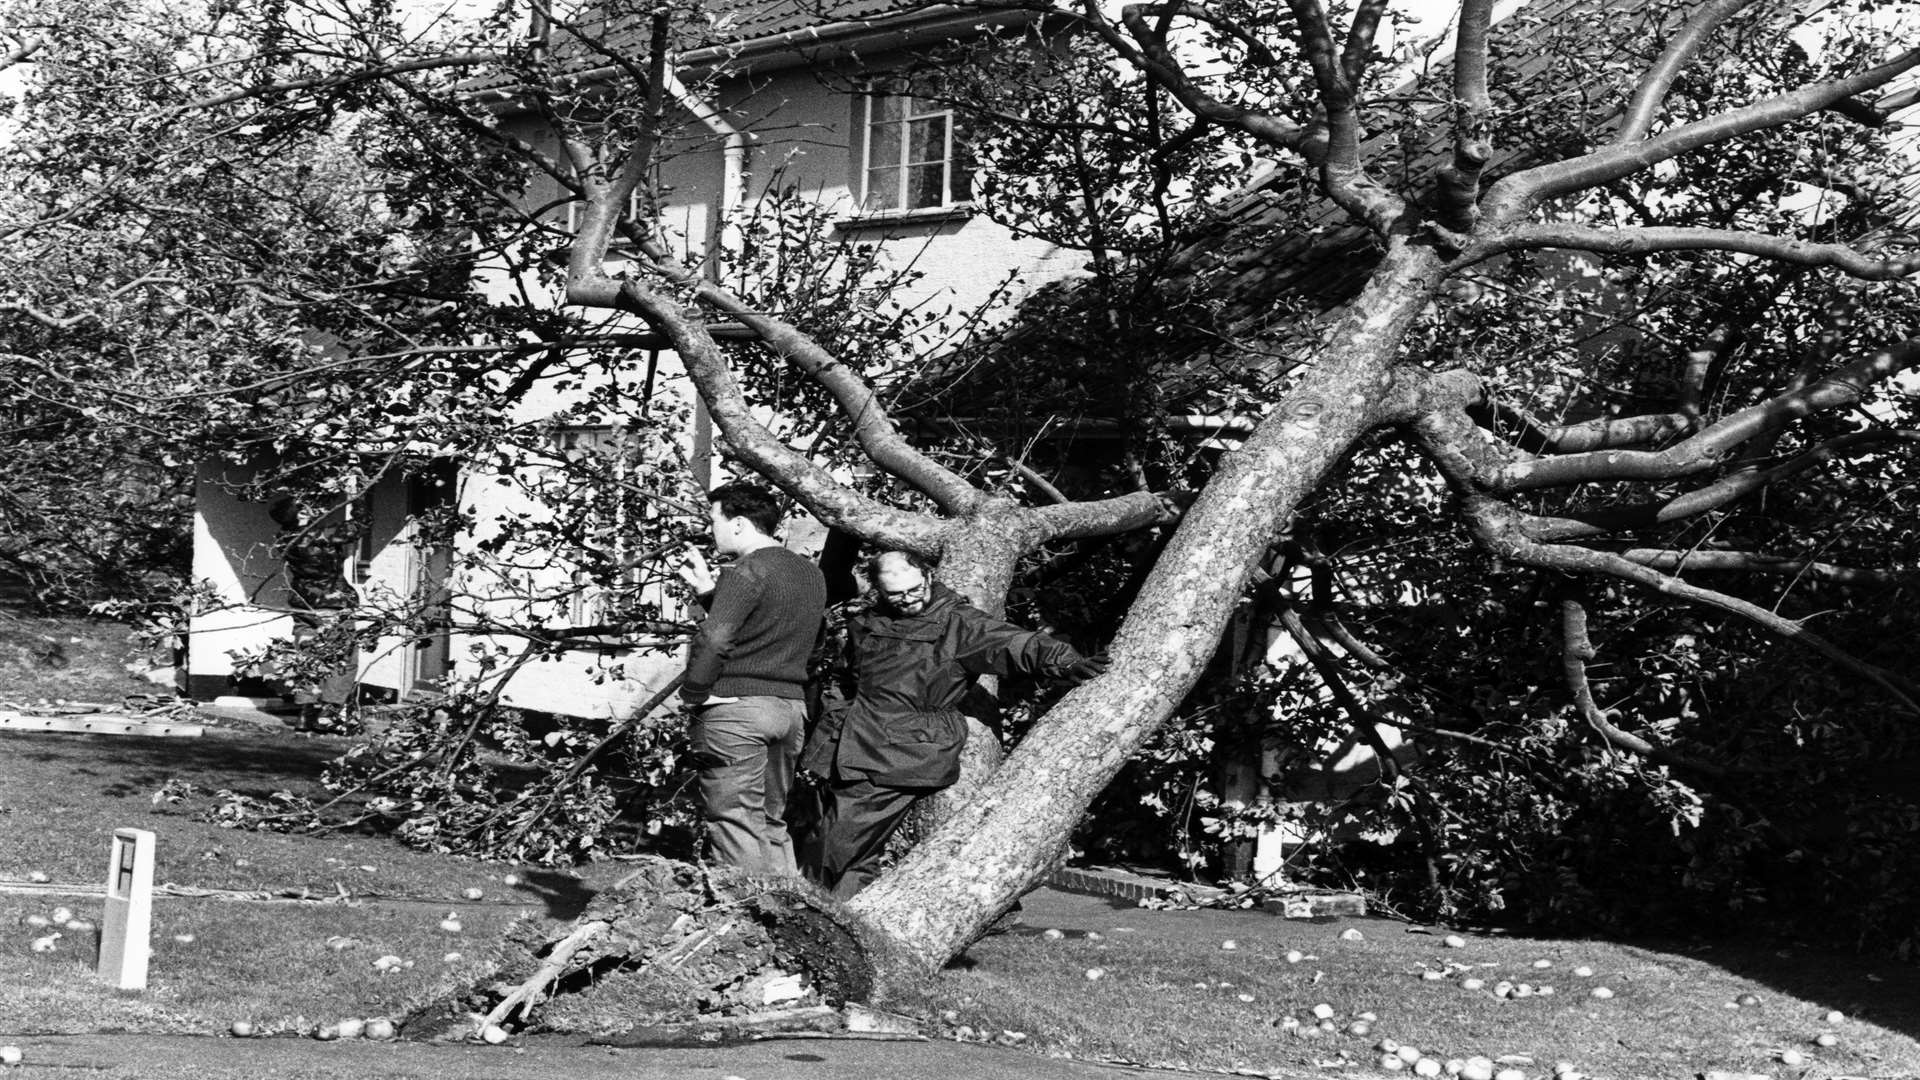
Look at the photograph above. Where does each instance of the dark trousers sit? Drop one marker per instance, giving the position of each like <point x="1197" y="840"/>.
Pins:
<point x="859" y="817"/>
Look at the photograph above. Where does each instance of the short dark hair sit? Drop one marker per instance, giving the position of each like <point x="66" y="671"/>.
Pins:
<point x="740" y="499"/>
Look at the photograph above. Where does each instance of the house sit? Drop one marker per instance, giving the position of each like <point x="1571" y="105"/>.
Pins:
<point x="784" y="101"/>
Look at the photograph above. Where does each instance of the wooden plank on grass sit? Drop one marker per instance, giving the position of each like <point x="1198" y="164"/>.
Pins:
<point x="98" y="724"/>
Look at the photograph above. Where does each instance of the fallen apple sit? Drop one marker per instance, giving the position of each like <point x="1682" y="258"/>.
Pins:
<point x="473" y="894"/>
<point x="62" y="915"/>
<point x="1053" y="935"/>
<point x="1360" y="1028"/>
<point x="1472" y="984"/>
<point x="1426" y="1066"/>
<point x="1409" y="1054"/>
<point x="10" y="1055"/>
<point x="45" y="944"/>
<point x="1454" y="941"/>
<point x="1351" y="934"/>
<point x="1746" y="1001"/>
<point x="1391" y="1062"/>
<point x="1826" y="1038"/>
<point x="1096" y="974"/>
<point x="37" y="921"/>
<point x="1323" y="1011"/>
<point x="494" y="1034"/>
<point x="351" y="1028"/>
<point x="241" y="1029"/>
<point x="451" y="924"/>
<point x="1542" y="965"/>
<point x="1836" y="1017"/>
<point x="1229" y="945"/>
<point x="1294" y="956"/>
<point x="38" y="877"/>
<point x="1477" y="1068"/>
<point x="326" y="1033"/>
<point x="1792" y="1058"/>
<point x="1510" y="1074"/>
<point x="1602" y="993"/>
<point x="450" y="958"/>
<point x="1244" y="997"/>
<point x="1583" y="971"/>
<point x="1371" y="1018"/>
<point x="379" y="1028"/>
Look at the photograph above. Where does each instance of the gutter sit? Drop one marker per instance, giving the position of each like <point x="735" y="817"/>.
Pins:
<point x="806" y="45"/>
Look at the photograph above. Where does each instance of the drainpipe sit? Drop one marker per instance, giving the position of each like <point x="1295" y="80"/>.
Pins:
<point x="733" y="182"/>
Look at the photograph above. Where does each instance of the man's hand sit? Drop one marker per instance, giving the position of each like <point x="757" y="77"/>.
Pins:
<point x="1086" y="668"/>
<point x="696" y="573"/>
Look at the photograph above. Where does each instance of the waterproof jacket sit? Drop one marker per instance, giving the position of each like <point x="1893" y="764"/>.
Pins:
<point x="894" y="717"/>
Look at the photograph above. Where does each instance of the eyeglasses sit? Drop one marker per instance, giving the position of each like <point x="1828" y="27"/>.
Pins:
<point x="900" y="597"/>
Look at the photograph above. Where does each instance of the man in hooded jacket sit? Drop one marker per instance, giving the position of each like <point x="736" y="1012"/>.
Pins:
<point x="893" y="730"/>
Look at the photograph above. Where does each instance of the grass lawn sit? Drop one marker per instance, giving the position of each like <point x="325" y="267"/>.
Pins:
<point x="1168" y="991"/>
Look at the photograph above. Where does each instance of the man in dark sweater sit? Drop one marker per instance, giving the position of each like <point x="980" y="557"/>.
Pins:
<point x="746" y="678"/>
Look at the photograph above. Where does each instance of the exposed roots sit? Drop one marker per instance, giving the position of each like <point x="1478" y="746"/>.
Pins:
<point x="749" y="950"/>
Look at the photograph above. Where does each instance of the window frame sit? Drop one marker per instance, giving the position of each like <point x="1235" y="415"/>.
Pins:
<point x="953" y="167"/>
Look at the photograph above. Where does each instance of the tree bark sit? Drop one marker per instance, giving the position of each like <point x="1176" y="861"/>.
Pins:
<point x="994" y="848"/>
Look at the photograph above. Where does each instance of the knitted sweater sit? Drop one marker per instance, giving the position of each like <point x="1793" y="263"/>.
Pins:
<point x="763" y="621"/>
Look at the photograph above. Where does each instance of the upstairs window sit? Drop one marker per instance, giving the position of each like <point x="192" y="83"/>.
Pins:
<point x="913" y="161"/>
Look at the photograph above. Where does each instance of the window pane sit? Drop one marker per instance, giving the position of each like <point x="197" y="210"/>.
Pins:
<point x="926" y="185"/>
<point x="960" y="175"/>
<point x="883" y="145"/>
<point x="887" y="107"/>
<point x="927" y="140"/>
<point x="883" y="189"/>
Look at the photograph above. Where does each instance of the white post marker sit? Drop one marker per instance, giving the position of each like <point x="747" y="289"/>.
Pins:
<point x="126" y="929"/>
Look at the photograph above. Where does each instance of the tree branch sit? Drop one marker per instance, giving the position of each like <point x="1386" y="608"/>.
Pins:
<point x="1102" y="517"/>
<point x="68" y="322"/>
<point x="879" y="437"/>
<point x="1358" y="51"/>
<point x="1649" y="239"/>
<point x="1341" y="170"/>
<point x="1707" y="449"/>
<point x="1679" y="52"/>
<point x="1498" y="530"/>
<point x="1458" y="183"/>
<point x="25" y="50"/>
<point x="814" y="487"/>
<point x="1576" y="649"/>
<point x="1513" y="198"/>
<point x="1363" y="720"/>
<point x="1148" y="52"/>
<point x="377" y="73"/>
<point x="1677" y="562"/>
<point x="1587" y="523"/>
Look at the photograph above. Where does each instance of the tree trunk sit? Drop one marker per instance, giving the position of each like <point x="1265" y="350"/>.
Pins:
<point x="996" y="846"/>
